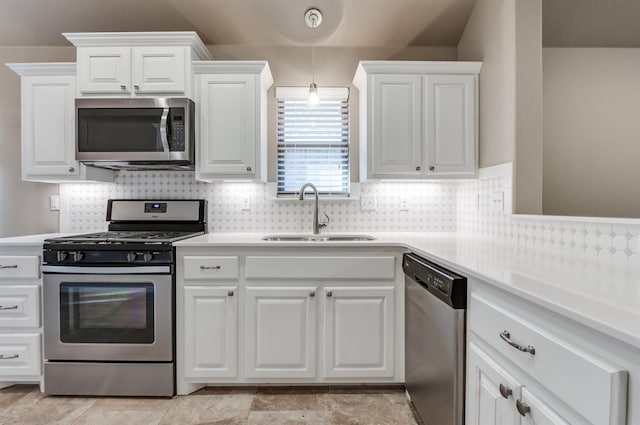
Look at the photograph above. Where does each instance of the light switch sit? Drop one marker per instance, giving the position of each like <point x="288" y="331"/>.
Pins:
<point x="54" y="202"/>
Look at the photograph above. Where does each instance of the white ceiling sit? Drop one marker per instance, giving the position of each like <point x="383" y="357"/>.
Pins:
<point x="347" y="23"/>
<point x="361" y="23"/>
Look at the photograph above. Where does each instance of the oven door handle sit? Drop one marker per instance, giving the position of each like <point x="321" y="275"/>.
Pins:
<point x="107" y="270"/>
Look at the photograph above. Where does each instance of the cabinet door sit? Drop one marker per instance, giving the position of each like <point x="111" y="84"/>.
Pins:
<point x="104" y="70"/>
<point x="449" y="120"/>
<point x="491" y="392"/>
<point x="359" y="332"/>
<point x="228" y="118"/>
<point x="395" y="140"/>
<point x="281" y="332"/>
<point x="20" y="354"/>
<point x="539" y="412"/>
<point x="210" y="329"/>
<point x="158" y="69"/>
<point x="48" y="126"/>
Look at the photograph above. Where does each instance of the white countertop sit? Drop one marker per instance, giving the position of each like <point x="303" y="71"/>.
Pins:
<point x="602" y="295"/>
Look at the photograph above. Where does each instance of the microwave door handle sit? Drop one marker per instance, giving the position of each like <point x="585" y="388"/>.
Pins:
<point x="164" y="123"/>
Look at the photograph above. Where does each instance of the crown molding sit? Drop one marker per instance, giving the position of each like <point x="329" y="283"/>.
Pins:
<point x="52" y="68"/>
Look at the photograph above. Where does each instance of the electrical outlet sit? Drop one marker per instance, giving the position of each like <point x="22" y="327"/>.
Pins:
<point x="54" y="202"/>
<point x="368" y="202"/>
<point x="497" y="201"/>
<point x="404" y="204"/>
<point x="245" y="203"/>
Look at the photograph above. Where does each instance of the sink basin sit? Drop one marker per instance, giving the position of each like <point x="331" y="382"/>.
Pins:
<point x="318" y="238"/>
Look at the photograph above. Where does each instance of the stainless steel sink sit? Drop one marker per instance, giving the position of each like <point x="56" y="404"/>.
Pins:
<point x="318" y="238"/>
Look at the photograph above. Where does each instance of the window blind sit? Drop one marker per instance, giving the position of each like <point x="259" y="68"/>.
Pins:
<point x="313" y="142"/>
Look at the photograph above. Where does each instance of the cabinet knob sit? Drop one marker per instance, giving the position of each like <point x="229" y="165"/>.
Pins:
<point x="312" y="294"/>
<point x="505" y="391"/>
<point x="418" y="168"/>
<point x="71" y="169"/>
<point x="123" y="87"/>
<point x="230" y="293"/>
<point x="136" y="87"/>
<point x="522" y="408"/>
<point x="329" y="294"/>
<point x="432" y="168"/>
<point x="248" y="169"/>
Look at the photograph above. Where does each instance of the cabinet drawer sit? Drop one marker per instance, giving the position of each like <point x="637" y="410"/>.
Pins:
<point x="592" y="387"/>
<point x="20" y="355"/>
<point x="210" y="267"/>
<point x="320" y="267"/>
<point x="19" y="267"/>
<point x="19" y="306"/>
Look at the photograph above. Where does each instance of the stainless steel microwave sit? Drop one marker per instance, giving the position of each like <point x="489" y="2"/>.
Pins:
<point x="136" y="134"/>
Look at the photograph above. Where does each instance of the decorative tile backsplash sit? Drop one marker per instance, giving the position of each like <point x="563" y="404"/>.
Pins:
<point x="439" y="206"/>
<point x="250" y="207"/>
<point x="610" y="240"/>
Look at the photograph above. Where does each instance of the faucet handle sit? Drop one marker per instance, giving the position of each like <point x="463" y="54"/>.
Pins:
<point x="324" y="221"/>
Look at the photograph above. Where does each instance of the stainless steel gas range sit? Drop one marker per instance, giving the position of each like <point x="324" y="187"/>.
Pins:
<point x="109" y="301"/>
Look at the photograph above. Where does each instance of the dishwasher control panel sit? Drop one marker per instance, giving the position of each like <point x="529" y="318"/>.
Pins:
<point x="444" y="284"/>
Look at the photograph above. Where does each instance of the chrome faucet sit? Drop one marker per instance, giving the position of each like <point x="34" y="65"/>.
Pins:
<point x="317" y="224"/>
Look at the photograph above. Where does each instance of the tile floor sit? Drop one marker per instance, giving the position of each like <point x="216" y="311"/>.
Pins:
<point x="25" y="405"/>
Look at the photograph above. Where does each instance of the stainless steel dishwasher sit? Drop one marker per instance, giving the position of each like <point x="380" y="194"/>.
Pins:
<point x="435" y="304"/>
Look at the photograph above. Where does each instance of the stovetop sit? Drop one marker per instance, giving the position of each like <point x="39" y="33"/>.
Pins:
<point x="121" y="237"/>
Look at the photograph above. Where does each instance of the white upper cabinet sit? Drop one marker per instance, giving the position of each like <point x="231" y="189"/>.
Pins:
<point x="231" y="105"/>
<point x="48" y="125"/>
<point x="418" y="119"/>
<point x="136" y="64"/>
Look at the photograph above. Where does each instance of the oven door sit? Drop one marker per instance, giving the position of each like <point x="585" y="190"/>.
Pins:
<point x="108" y="317"/>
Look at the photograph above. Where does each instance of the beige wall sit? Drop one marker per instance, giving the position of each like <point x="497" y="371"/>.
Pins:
<point x="506" y="36"/>
<point x="24" y="207"/>
<point x="591" y="132"/>
<point x="334" y="66"/>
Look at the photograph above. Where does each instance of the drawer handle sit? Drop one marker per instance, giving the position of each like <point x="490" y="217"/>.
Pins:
<point x="522" y="408"/>
<point x="12" y="266"/>
<point x="3" y="357"/>
<point x="12" y="307"/>
<point x="505" y="391"/>
<point x="506" y="337"/>
<point x="209" y="267"/>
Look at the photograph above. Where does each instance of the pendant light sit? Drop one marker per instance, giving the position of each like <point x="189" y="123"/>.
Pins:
<point x="313" y="19"/>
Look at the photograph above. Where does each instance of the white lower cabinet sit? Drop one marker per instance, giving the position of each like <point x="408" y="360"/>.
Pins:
<point x="297" y="316"/>
<point x="20" y="314"/>
<point x="527" y="367"/>
<point x="491" y="392"/>
<point x="537" y="411"/>
<point x="211" y="331"/>
<point x="359" y="332"/>
<point x="281" y="332"/>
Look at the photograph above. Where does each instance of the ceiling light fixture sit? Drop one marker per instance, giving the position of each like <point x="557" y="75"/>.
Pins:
<point x="313" y="19"/>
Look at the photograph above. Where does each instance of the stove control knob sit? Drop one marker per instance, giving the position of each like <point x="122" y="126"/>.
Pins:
<point x="77" y="256"/>
<point x="61" y="256"/>
<point x="147" y="257"/>
<point x="131" y="257"/>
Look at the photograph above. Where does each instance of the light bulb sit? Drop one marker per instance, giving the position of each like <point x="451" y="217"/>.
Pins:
<point x="313" y="98"/>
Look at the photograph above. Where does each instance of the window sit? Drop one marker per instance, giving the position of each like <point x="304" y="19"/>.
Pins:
<point x="313" y="141"/>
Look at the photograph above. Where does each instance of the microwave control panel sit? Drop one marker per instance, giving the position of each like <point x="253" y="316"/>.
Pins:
<point x="177" y="136"/>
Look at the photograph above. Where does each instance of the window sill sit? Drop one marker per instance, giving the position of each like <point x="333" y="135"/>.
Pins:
<point x="353" y="196"/>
